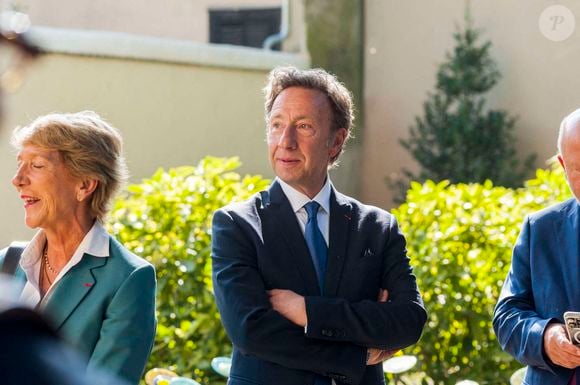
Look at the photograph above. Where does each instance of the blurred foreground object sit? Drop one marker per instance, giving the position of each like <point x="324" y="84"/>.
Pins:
<point x="397" y="365"/>
<point x="153" y="376"/>
<point x="518" y="377"/>
<point x="27" y="342"/>
<point x="16" y="50"/>
<point x="160" y="376"/>
<point x="222" y="366"/>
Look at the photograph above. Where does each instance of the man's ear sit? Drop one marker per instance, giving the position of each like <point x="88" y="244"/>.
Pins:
<point x="85" y="188"/>
<point x="337" y="141"/>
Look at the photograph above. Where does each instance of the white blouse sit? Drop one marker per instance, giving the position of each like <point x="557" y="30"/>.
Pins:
<point x="95" y="242"/>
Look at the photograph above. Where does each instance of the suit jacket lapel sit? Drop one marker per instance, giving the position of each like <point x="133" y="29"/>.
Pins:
<point x="278" y="209"/>
<point x="339" y="231"/>
<point x="72" y="289"/>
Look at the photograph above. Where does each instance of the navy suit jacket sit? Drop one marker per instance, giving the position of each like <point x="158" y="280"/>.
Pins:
<point x="542" y="284"/>
<point x="258" y="245"/>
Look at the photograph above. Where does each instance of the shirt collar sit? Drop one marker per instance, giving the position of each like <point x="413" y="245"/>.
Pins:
<point x="33" y="251"/>
<point x="95" y="243"/>
<point x="298" y="200"/>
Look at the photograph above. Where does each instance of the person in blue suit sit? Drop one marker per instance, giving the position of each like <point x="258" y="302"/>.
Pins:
<point x="96" y="294"/>
<point x="544" y="280"/>
<point x="313" y="287"/>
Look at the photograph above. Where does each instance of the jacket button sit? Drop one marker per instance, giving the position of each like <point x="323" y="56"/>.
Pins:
<point x="337" y="376"/>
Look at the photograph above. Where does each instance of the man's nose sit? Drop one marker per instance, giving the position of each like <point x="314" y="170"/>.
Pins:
<point x="288" y="137"/>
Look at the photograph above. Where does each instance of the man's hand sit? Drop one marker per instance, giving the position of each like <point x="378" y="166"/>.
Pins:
<point x="291" y="305"/>
<point x="376" y="356"/>
<point x="383" y="295"/>
<point x="558" y="347"/>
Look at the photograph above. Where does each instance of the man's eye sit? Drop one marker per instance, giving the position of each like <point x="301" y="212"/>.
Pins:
<point x="306" y="129"/>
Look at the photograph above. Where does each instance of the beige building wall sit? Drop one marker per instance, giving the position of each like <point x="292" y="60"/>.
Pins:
<point x="175" y="19"/>
<point x="405" y="43"/>
<point x="178" y="19"/>
<point x="173" y="102"/>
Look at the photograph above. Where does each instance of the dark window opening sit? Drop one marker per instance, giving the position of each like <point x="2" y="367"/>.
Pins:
<point x="245" y="27"/>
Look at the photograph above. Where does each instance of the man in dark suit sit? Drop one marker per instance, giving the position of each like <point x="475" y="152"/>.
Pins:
<point x="312" y="286"/>
<point x="544" y="280"/>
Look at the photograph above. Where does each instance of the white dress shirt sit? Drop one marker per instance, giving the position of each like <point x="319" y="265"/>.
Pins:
<point x="298" y="200"/>
<point x="95" y="242"/>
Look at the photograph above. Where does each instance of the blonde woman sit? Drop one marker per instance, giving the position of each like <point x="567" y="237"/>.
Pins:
<point x="96" y="293"/>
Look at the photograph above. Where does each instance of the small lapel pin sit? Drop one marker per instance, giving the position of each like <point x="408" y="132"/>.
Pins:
<point x="368" y="253"/>
<point x="88" y="284"/>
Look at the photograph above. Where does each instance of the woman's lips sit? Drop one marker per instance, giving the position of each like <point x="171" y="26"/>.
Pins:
<point x="29" y="200"/>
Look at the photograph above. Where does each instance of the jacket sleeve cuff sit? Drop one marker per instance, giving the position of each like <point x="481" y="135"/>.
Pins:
<point x="546" y="363"/>
<point x="318" y="326"/>
<point x="353" y="369"/>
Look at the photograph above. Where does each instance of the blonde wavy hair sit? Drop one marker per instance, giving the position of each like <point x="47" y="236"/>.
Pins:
<point x="90" y="148"/>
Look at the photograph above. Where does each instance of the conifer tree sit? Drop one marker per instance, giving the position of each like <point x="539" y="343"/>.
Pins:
<point x="456" y="138"/>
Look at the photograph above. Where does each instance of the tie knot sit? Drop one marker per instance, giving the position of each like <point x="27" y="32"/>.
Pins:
<point x="312" y="209"/>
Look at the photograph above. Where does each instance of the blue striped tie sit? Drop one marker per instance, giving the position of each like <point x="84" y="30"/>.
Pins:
<point x="319" y="253"/>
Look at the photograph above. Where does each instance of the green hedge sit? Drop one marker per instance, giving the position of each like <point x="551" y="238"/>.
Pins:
<point x="167" y="220"/>
<point x="460" y="239"/>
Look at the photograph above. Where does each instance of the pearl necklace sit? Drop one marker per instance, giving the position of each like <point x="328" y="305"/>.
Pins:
<point x="46" y="263"/>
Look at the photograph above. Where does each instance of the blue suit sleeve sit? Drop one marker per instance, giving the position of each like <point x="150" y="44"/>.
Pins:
<point x="390" y="325"/>
<point x="519" y="329"/>
<point x="128" y="331"/>
<point x="251" y="322"/>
